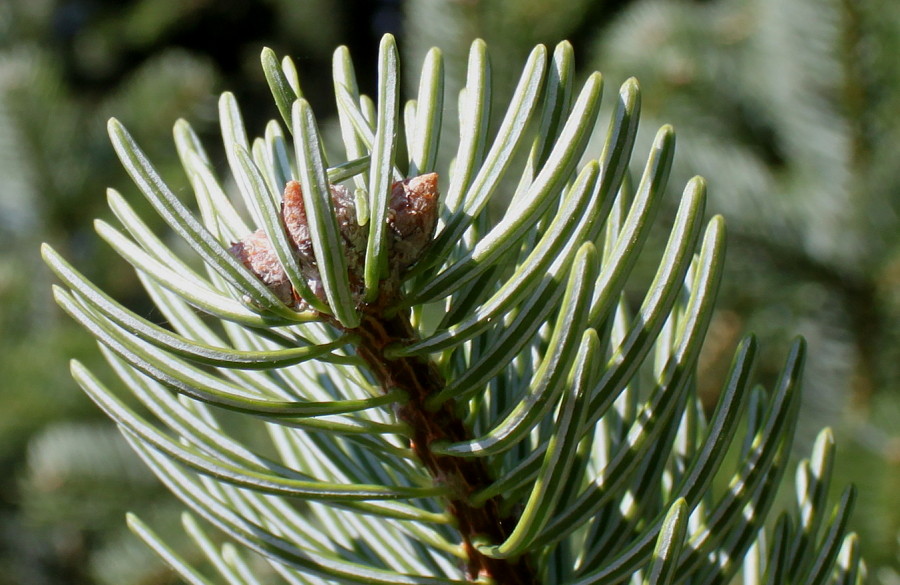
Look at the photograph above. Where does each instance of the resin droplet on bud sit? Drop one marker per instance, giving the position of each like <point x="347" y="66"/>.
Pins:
<point x="411" y="219"/>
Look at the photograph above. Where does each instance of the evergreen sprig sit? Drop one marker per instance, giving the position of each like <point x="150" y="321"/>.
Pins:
<point x="484" y="405"/>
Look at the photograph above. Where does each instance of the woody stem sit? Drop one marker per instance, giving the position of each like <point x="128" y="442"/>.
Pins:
<point x="420" y="379"/>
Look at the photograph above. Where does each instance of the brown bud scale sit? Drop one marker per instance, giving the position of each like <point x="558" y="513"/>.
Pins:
<point x="411" y="219"/>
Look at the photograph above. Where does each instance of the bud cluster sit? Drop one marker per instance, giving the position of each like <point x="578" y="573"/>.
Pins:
<point x="411" y="220"/>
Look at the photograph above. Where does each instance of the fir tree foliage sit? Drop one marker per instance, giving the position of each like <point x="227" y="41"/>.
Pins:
<point x="495" y="412"/>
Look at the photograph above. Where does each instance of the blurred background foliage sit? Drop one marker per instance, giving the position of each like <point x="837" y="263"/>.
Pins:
<point x="790" y="109"/>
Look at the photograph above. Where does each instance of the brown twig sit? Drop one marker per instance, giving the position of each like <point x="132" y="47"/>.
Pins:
<point x="420" y="379"/>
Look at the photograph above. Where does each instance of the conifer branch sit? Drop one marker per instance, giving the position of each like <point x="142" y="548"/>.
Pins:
<point x="454" y="397"/>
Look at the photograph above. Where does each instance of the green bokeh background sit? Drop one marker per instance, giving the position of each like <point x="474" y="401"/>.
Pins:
<point x="790" y="109"/>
